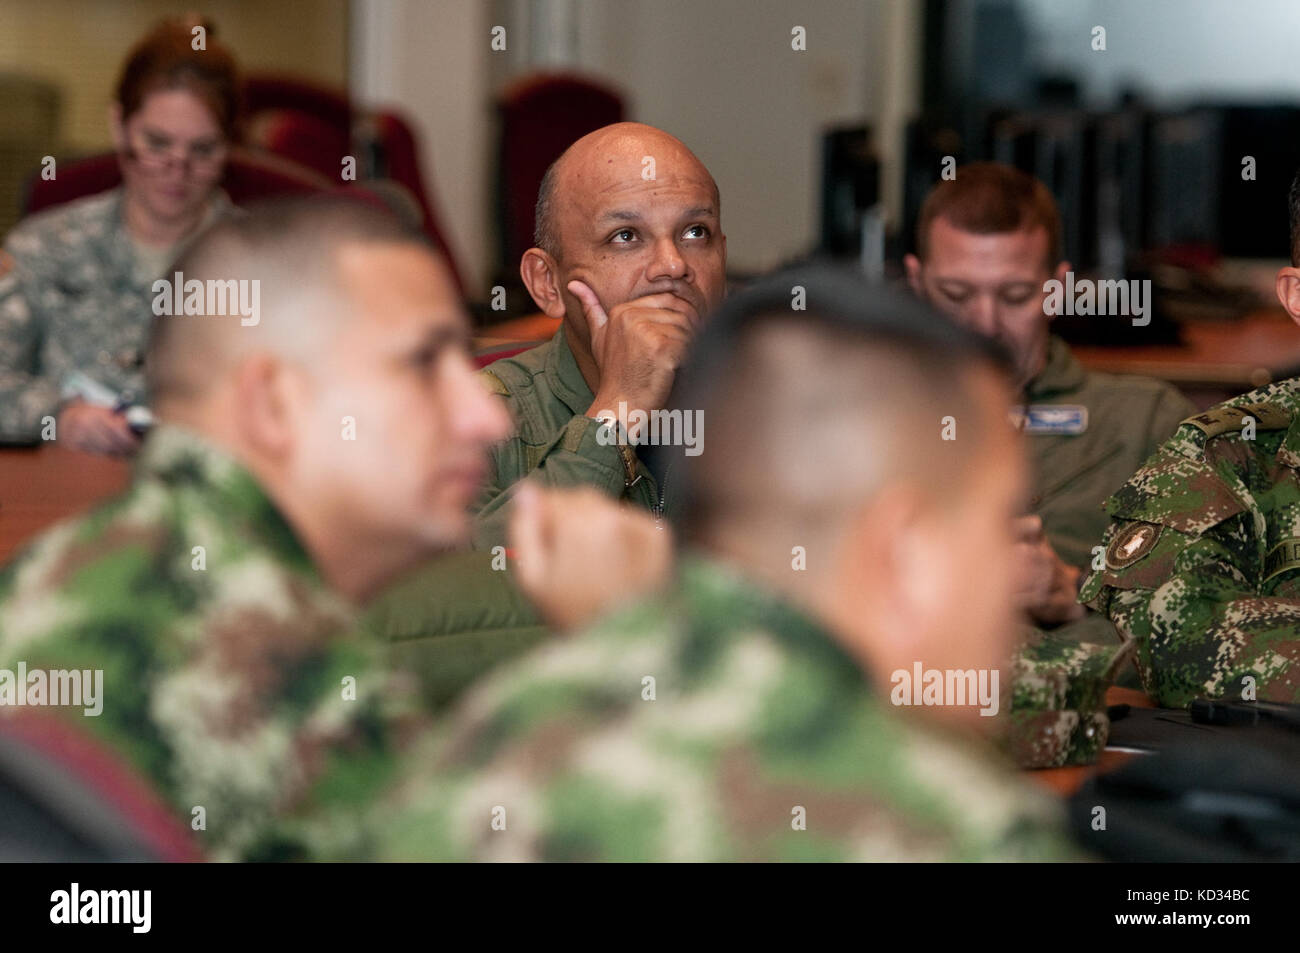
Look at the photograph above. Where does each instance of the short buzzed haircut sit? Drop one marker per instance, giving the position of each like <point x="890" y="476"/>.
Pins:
<point x="544" y="236"/>
<point x="545" y="231"/>
<point x="808" y="411"/>
<point x="287" y="245"/>
<point x="990" y="198"/>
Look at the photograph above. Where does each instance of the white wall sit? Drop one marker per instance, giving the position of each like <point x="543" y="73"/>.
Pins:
<point x="430" y="59"/>
<point x="1173" y="50"/>
<point x="721" y="75"/>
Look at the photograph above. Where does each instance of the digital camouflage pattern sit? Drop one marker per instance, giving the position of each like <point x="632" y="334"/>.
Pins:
<point x="1057" y="711"/>
<point x="758" y="721"/>
<point x="1202" y="564"/>
<point x="1128" y="418"/>
<point x="74" y="296"/>
<point x="554" y="441"/>
<point x="223" y="685"/>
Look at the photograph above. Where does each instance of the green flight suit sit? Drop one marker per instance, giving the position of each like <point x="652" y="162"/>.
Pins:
<point x="554" y="442"/>
<point x="1127" y="419"/>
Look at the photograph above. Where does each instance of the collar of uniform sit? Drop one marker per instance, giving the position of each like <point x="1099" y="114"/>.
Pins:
<point x="716" y="591"/>
<point x="121" y="248"/>
<point x="1061" y="373"/>
<point x="565" y="378"/>
<point x="1289" y="453"/>
<point x="116" y="245"/>
<point x="179" y="458"/>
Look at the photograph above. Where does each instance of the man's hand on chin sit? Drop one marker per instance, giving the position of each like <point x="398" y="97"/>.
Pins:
<point x="637" y="346"/>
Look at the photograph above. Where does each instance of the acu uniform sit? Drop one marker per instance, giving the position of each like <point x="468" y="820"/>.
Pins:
<point x="76" y="294"/>
<point x="1203" y="554"/>
<point x="554" y="442"/>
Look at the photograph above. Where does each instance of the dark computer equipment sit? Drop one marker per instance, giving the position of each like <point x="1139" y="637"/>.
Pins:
<point x="1253" y="213"/>
<point x="1183" y="177"/>
<point x="850" y="188"/>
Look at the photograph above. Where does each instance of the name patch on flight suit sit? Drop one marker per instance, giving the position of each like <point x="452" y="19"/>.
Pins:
<point x="1283" y="557"/>
<point x="1068" y="419"/>
<point x="1131" y="544"/>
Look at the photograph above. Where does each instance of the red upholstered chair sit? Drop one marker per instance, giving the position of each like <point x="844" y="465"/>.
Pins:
<point x="249" y="177"/>
<point x="274" y="91"/>
<point x="540" y="117"/>
<point x="302" y="121"/>
<point x="66" y="797"/>
<point x="301" y="138"/>
<point x="398" y="159"/>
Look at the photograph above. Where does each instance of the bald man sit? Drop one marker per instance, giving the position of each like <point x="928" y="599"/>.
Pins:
<point x="752" y="712"/>
<point x="630" y="255"/>
<point x="310" y="449"/>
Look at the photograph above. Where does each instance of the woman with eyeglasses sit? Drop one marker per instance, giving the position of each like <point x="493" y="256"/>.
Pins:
<point x="76" y="281"/>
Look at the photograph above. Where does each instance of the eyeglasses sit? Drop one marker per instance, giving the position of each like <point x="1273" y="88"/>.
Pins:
<point x="154" y="154"/>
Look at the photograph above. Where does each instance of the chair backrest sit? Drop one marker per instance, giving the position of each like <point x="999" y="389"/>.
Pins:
<point x="273" y="91"/>
<point x="301" y="138"/>
<point x="399" y="160"/>
<point x="66" y="797"/>
<point x="248" y="177"/>
<point x="540" y="117"/>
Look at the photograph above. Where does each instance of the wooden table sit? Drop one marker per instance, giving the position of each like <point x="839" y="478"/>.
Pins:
<point x="1065" y="781"/>
<point x="1217" y="358"/>
<point x="40" y="486"/>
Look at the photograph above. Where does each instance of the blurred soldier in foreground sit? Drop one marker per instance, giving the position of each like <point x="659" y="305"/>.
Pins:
<point x="746" y="713"/>
<point x="987" y="243"/>
<point x="630" y="254"/>
<point x="1203" y="551"/>
<point x="304" y="459"/>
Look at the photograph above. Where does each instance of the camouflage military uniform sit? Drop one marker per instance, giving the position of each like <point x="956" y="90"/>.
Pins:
<point x="225" y="670"/>
<point x="1086" y="434"/>
<point x="554" y="441"/>
<point x="1203" y="554"/>
<point x="759" y="725"/>
<point x="75" y="295"/>
<point x="1056" y="713"/>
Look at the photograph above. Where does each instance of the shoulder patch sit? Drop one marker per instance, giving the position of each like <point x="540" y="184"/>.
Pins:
<point x="1220" y="420"/>
<point x="493" y="383"/>
<point x="1283" y="557"/>
<point x="1131" y="544"/>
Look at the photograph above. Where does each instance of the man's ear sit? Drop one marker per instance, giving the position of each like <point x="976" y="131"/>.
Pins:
<point x="116" y="127"/>
<point x="542" y="279"/>
<point x="1287" y="286"/>
<point x="912" y="265"/>
<point x="887" y="550"/>
<point x="265" y="397"/>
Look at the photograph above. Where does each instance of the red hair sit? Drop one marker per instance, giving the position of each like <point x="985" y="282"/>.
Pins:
<point x="165" y="58"/>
